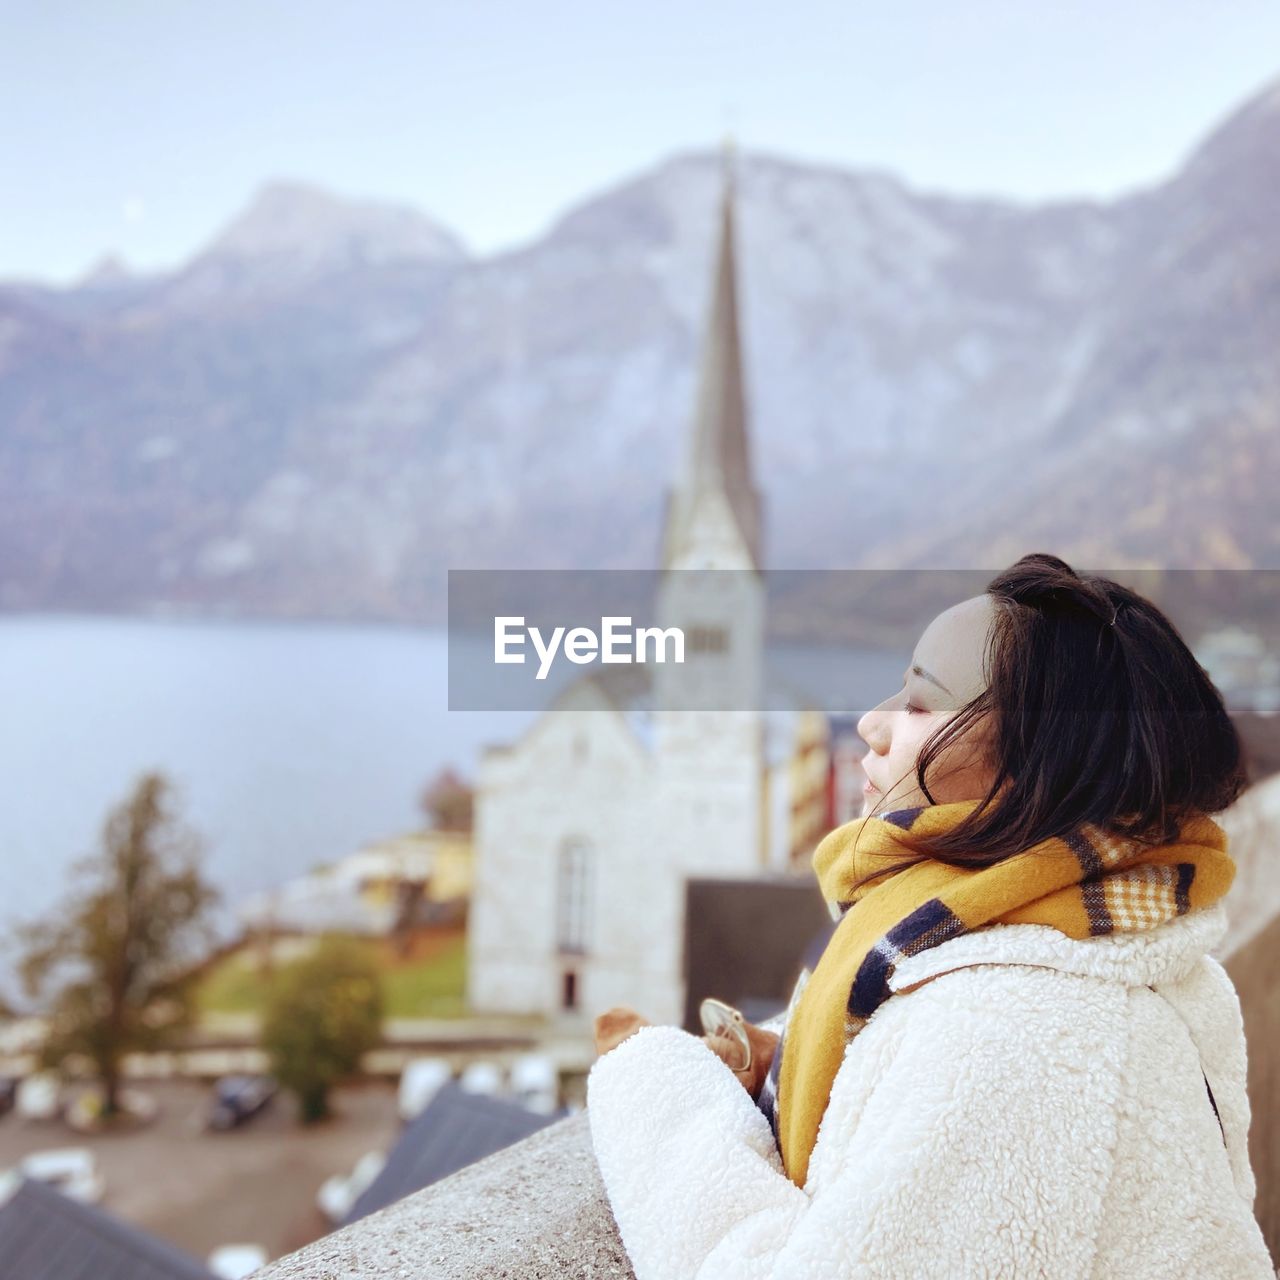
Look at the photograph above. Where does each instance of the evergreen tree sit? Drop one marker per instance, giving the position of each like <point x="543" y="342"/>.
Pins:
<point x="324" y="1013"/>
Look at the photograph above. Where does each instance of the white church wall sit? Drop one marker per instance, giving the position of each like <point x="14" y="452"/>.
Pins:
<point x="577" y="776"/>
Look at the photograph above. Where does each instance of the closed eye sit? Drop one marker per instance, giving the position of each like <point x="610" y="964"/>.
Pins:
<point x="911" y="708"/>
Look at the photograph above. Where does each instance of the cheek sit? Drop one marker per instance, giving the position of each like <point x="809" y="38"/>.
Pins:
<point x="963" y="763"/>
<point x="909" y="736"/>
<point x="961" y="759"/>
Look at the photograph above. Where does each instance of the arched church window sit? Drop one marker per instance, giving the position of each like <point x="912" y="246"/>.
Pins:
<point x="573" y="894"/>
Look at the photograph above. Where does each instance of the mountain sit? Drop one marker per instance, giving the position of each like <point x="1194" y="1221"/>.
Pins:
<point x="108" y="272"/>
<point x="334" y="402"/>
<point x="294" y="237"/>
<point x="302" y="222"/>
<point x="1166" y="448"/>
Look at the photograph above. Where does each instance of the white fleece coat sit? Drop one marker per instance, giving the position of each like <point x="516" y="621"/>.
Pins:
<point x="1034" y="1111"/>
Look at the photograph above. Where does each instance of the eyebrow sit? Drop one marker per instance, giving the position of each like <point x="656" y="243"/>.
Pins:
<point x="920" y="671"/>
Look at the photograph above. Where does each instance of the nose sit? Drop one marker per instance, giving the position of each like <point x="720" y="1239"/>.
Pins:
<point x="871" y="729"/>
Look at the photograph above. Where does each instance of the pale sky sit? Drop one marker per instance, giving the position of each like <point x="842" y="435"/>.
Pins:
<point x="140" y="127"/>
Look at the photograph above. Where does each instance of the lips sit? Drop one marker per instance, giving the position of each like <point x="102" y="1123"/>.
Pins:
<point x="869" y="785"/>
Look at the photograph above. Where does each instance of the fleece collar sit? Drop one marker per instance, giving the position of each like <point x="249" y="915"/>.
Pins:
<point x="1164" y="953"/>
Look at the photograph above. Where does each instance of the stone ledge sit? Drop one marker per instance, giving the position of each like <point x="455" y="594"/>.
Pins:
<point x="533" y="1211"/>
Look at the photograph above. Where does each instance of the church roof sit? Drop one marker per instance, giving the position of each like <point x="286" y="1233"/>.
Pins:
<point x="719" y="456"/>
<point x="456" y="1129"/>
<point x="628" y="686"/>
<point x="628" y="689"/>
<point x="45" y="1235"/>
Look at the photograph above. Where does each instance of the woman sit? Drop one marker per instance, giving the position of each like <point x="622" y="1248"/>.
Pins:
<point x="1015" y="1056"/>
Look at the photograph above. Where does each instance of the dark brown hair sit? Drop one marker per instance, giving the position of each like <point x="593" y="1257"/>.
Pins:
<point x="1098" y="712"/>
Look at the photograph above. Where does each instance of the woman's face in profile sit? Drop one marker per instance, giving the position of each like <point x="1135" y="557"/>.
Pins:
<point x="945" y="672"/>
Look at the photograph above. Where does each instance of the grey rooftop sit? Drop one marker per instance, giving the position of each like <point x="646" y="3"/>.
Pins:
<point x="456" y="1129"/>
<point x="533" y="1211"/>
<point x="45" y="1235"/>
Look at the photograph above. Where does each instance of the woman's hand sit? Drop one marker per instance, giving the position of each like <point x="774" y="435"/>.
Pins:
<point x="763" y="1044"/>
<point x="614" y="1025"/>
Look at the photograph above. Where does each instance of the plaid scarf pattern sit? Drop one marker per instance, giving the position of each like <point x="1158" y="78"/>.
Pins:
<point x="1088" y="882"/>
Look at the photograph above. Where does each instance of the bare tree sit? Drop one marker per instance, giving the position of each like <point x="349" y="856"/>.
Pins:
<point x="446" y="801"/>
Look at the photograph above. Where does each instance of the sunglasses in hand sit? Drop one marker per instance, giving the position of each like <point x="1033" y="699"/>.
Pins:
<point x="723" y="1022"/>
<point x="745" y="1049"/>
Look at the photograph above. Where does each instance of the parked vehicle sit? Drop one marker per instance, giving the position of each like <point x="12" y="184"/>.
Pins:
<point x="236" y="1261"/>
<point x="239" y="1098"/>
<point x="482" y="1077"/>
<point x="71" y="1170"/>
<point x="39" y="1097"/>
<point x="337" y="1195"/>
<point x="85" y="1113"/>
<point x="22" y="1036"/>
<point x="420" y="1081"/>
<point x="535" y="1082"/>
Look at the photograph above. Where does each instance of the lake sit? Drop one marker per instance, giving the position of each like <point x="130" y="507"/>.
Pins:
<point x="290" y="744"/>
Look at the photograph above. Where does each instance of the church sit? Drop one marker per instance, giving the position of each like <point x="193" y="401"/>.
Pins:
<point x="588" y="826"/>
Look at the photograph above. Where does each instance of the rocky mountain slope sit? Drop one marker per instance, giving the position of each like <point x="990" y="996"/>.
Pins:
<point x="335" y="402"/>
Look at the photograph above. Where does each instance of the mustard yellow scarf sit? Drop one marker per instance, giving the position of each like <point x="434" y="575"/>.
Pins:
<point x="1087" y="882"/>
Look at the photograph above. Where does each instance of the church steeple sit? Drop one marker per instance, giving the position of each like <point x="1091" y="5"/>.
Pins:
<point x="717" y="478"/>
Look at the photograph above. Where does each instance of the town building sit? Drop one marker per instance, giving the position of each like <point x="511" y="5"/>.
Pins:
<point x="419" y="877"/>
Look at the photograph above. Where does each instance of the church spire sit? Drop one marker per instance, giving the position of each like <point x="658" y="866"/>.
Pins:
<point x="717" y="468"/>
